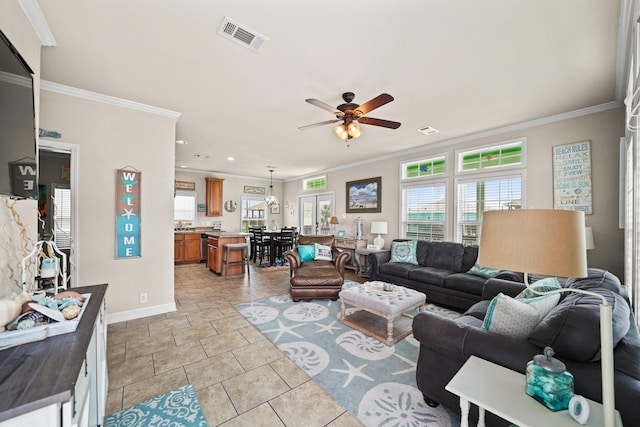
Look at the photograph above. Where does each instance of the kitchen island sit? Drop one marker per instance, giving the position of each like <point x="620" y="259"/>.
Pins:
<point x="215" y="245"/>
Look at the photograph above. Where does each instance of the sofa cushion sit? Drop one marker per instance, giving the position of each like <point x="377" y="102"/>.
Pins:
<point x="544" y="285"/>
<point x="516" y="318"/>
<point x="470" y="257"/>
<point x="464" y="282"/>
<point x="397" y="269"/>
<point x="597" y="278"/>
<point x="404" y="252"/>
<point x="432" y="276"/>
<point x="446" y="256"/>
<point x="306" y="252"/>
<point x="482" y="271"/>
<point x="322" y="253"/>
<point x="422" y="250"/>
<point x="572" y="328"/>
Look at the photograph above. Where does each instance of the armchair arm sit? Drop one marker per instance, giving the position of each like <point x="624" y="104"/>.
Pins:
<point x="293" y="258"/>
<point x="493" y="287"/>
<point x="340" y="260"/>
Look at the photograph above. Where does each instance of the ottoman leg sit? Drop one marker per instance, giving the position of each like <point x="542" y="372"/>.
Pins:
<point x="342" y="309"/>
<point x="389" y="331"/>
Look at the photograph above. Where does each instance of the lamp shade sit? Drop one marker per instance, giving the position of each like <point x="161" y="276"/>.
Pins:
<point x="334" y="220"/>
<point x="379" y="227"/>
<point x="539" y="241"/>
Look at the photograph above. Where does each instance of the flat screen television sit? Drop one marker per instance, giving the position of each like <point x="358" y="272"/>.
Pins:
<point x="18" y="147"/>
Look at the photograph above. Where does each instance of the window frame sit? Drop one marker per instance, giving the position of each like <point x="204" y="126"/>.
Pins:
<point x="404" y="164"/>
<point x="423" y="183"/>
<point x="306" y="181"/>
<point x="252" y="221"/>
<point x="460" y="153"/>
<point x="186" y="193"/>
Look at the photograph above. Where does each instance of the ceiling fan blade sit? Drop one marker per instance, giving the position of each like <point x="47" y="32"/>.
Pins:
<point x="325" y="106"/>
<point x="379" y="122"/>
<point x="376" y="102"/>
<point x="326" y="122"/>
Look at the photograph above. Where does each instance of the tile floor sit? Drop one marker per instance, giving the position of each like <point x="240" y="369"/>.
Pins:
<point x="242" y="379"/>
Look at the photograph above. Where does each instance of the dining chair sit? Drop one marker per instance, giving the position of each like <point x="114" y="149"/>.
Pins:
<point x="262" y="245"/>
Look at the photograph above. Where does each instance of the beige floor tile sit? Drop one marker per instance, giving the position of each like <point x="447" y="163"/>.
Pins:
<point x="290" y="372"/>
<point x="223" y="343"/>
<point x="115" y="353"/>
<point x="175" y="322"/>
<point x="230" y="323"/>
<point x="206" y="372"/>
<point x="254" y="388"/>
<point x="346" y="420"/>
<point x="149" y="345"/>
<point x="166" y="360"/>
<point x="202" y="317"/>
<point x="154" y="386"/>
<point x="120" y="336"/>
<point x="216" y="405"/>
<point x="251" y="334"/>
<point x="257" y="354"/>
<point x="130" y="371"/>
<point x="114" y="400"/>
<point x="144" y="320"/>
<point x="307" y="405"/>
<point x="193" y="333"/>
<point x="262" y="416"/>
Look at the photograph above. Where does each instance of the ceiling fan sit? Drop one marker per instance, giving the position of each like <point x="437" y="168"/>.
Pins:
<point x="351" y="114"/>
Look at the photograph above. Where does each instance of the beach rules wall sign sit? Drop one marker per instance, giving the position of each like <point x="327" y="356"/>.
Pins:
<point x="128" y="213"/>
<point x="572" y="177"/>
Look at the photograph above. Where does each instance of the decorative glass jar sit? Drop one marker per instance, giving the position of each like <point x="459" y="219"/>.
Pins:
<point x="548" y="381"/>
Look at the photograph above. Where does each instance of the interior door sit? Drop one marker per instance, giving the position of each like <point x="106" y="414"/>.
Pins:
<point x="315" y="213"/>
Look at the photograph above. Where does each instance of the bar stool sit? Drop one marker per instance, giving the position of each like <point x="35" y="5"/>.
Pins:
<point x="243" y="248"/>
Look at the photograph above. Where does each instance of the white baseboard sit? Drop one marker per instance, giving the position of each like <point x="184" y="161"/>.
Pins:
<point x="138" y="313"/>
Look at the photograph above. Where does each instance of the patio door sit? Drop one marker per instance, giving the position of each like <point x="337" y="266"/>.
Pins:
<point x="315" y="213"/>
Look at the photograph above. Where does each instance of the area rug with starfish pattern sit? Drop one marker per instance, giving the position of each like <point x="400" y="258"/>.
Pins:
<point x="374" y="382"/>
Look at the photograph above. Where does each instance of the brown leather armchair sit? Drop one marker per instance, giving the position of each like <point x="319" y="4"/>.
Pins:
<point x="316" y="278"/>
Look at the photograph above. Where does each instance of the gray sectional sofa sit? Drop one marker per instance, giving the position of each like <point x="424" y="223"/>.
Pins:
<point x="441" y="273"/>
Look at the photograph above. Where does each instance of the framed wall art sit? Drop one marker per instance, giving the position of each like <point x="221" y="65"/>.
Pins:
<point x="364" y="196"/>
<point x="250" y="189"/>
<point x="572" y="177"/>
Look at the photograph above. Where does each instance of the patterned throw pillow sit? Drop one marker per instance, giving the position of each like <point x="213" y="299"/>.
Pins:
<point x="322" y="253"/>
<point x="544" y="285"/>
<point x="486" y="272"/>
<point x="306" y="252"/>
<point x="404" y="252"/>
<point x="517" y="318"/>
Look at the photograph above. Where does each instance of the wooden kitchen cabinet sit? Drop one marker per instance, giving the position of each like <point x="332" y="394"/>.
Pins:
<point x="215" y="246"/>
<point x="186" y="248"/>
<point x="214" y="196"/>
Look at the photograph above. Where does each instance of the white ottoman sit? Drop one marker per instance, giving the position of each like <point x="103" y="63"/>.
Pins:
<point x="383" y="313"/>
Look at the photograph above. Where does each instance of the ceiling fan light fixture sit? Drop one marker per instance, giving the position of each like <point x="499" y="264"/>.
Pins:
<point x="340" y="131"/>
<point x="354" y="130"/>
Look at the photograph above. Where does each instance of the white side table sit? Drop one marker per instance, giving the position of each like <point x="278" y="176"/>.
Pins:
<point x="362" y="260"/>
<point x="501" y="391"/>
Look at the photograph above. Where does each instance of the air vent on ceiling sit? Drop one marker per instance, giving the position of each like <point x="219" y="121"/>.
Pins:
<point x="241" y="34"/>
<point x="428" y="130"/>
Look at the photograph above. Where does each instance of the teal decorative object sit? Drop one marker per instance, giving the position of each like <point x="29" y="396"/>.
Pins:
<point x="548" y="381"/>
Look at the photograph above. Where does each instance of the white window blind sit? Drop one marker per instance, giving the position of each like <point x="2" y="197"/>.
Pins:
<point x="475" y="196"/>
<point x="253" y="213"/>
<point x="62" y="217"/>
<point x="184" y="206"/>
<point x="424" y="211"/>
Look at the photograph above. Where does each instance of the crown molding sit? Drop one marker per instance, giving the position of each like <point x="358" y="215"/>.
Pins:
<point x="473" y="136"/>
<point x="107" y="99"/>
<point x="15" y="79"/>
<point x="224" y="174"/>
<point x="39" y="23"/>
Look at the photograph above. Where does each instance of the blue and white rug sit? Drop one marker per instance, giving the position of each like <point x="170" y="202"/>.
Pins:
<point x="374" y="382"/>
<point x="175" y="408"/>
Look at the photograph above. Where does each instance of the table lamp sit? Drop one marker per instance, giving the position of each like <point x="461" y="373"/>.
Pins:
<point x="548" y="242"/>
<point x="379" y="227"/>
<point x="333" y="221"/>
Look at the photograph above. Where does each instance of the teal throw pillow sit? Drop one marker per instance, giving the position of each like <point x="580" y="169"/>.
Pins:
<point x="486" y="272"/>
<point x="404" y="252"/>
<point x="307" y="252"/>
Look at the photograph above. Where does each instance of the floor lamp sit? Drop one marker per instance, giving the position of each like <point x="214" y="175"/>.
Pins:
<point x="548" y="242"/>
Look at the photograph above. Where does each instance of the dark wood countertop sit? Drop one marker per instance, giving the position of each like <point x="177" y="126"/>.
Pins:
<point x="42" y="373"/>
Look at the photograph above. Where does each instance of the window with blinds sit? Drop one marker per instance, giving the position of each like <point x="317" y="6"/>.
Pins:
<point x="424" y="211"/>
<point x="253" y="213"/>
<point x="184" y="206"/>
<point x="62" y="216"/>
<point x="476" y="196"/>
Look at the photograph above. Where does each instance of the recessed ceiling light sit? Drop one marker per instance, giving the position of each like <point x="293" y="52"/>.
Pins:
<point x="183" y="166"/>
<point x="181" y="142"/>
<point x="231" y="158"/>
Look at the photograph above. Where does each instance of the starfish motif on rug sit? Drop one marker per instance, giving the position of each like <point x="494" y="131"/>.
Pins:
<point x="353" y="372"/>
<point x="282" y="329"/>
<point x="328" y="328"/>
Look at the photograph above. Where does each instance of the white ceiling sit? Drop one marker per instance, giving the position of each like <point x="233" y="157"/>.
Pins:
<point x="461" y="66"/>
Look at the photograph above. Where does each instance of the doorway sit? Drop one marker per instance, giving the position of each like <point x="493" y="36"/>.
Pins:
<point x="57" y="207"/>
<point x="315" y="213"/>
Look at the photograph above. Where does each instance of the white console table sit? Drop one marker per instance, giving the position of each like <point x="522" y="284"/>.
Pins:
<point x="501" y="391"/>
